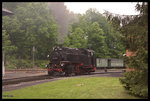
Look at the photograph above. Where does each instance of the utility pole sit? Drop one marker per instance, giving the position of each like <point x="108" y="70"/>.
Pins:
<point x="33" y="49"/>
<point x="3" y="66"/>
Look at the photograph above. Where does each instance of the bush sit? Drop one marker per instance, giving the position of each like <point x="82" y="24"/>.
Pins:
<point x="135" y="84"/>
<point x="41" y="63"/>
<point x="13" y="63"/>
<point x="26" y="63"/>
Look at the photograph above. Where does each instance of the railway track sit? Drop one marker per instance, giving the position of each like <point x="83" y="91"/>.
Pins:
<point x="42" y="77"/>
<point x="26" y="70"/>
<point x="25" y="79"/>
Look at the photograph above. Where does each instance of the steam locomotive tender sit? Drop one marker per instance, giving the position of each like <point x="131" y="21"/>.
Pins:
<point x="71" y="60"/>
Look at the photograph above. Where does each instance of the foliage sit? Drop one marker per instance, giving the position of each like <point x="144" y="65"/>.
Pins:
<point x="41" y="63"/>
<point x="31" y="25"/>
<point x="12" y="63"/>
<point x="97" y="39"/>
<point x="6" y="43"/>
<point x="73" y="88"/>
<point x="135" y="32"/>
<point x="135" y="83"/>
<point x="76" y="40"/>
<point x="98" y="33"/>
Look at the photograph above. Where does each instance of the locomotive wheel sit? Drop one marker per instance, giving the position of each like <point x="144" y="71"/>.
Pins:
<point x="66" y="74"/>
<point x="77" y="73"/>
<point x="70" y="74"/>
<point x="55" y="73"/>
<point x="89" y="73"/>
<point x="68" y="70"/>
<point x="50" y="72"/>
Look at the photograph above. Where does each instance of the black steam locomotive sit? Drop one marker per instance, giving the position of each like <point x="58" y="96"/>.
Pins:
<point x="71" y="60"/>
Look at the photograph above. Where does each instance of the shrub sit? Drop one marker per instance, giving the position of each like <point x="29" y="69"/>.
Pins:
<point x="26" y="63"/>
<point x="135" y="84"/>
<point x="13" y="63"/>
<point x="41" y="63"/>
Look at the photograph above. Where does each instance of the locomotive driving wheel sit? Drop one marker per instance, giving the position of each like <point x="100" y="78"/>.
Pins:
<point x="50" y="73"/>
<point x="89" y="73"/>
<point x="53" y="73"/>
<point x="68" y="70"/>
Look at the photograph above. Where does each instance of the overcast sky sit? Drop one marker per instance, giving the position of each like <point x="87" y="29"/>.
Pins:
<point x="122" y="8"/>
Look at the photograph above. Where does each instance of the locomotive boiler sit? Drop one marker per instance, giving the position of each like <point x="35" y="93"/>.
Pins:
<point x="65" y="60"/>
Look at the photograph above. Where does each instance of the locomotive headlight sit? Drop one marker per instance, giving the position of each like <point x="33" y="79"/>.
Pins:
<point x="62" y="64"/>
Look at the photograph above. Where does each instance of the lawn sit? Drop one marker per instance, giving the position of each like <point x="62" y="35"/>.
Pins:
<point x="73" y="88"/>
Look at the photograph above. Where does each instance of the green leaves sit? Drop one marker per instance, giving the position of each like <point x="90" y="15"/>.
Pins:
<point x="95" y="30"/>
<point x="6" y="43"/>
<point x="135" y="37"/>
<point x="135" y="83"/>
<point x="77" y="39"/>
<point x="97" y="39"/>
<point x="31" y="25"/>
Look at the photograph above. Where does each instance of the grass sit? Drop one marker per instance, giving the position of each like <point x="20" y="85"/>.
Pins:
<point x="73" y="88"/>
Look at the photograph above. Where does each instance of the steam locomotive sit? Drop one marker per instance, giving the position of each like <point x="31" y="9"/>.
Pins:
<point x="65" y="60"/>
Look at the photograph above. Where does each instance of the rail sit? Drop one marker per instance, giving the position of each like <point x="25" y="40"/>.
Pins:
<point x="25" y="79"/>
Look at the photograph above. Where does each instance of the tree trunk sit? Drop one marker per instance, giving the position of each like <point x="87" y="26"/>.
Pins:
<point x="19" y="64"/>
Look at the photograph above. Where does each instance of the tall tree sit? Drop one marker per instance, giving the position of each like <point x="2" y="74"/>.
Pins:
<point x="97" y="39"/>
<point x="112" y="45"/>
<point x="31" y="25"/>
<point x="135" y="32"/>
<point x="6" y="47"/>
<point x="76" y="40"/>
<point x="112" y="36"/>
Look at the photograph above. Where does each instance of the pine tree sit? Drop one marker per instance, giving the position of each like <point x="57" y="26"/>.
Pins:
<point x="135" y="32"/>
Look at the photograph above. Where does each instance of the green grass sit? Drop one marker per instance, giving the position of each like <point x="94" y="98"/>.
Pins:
<point x="73" y="88"/>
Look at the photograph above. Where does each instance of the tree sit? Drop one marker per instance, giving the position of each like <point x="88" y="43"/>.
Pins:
<point x="6" y="47"/>
<point x="31" y="25"/>
<point x="11" y="5"/>
<point x="97" y="39"/>
<point x="6" y="43"/>
<point x="76" y="40"/>
<point x="135" y="32"/>
<point x="112" y="47"/>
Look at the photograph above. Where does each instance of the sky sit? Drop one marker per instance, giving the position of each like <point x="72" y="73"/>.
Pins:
<point x="122" y="8"/>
